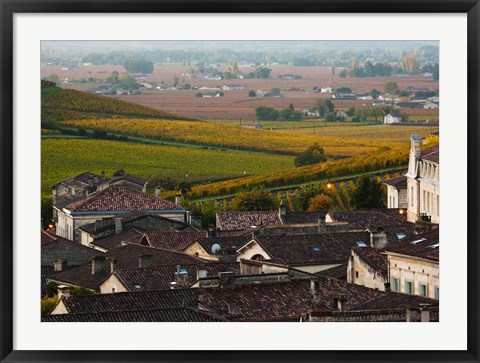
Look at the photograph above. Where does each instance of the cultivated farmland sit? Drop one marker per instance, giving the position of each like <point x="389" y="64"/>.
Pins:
<point x="236" y="104"/>
<point x="150" y="161"/>
<point x="227" y="136"/>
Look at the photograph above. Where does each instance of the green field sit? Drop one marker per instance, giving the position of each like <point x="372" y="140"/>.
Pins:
<point x="62" y="158"/>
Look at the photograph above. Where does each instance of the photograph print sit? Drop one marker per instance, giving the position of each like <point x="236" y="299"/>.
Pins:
<point x="240" y="181"/>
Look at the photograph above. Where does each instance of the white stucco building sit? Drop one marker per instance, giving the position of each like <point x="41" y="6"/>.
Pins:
<point x="423" y="183"/>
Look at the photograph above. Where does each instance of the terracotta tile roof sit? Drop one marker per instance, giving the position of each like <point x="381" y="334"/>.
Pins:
<point x="121" y="199"/>
<point x="171" y="240"/>
<point x="130" y="178"/>
<point x="176" y="314"/>
<point x="285" y="301"/>
<point x="83" y="178"/>
<point x="361" y="219"/>
<point x="160" y="277"/>
<point x="374" y="258"/>
<point x="395" y="300"/>
<point x="115" y="240"/>
<point x="432" y="154"/>
<point x="302" y="217"/>
<point x="46" y="238"/>
<point x="127" y="258"/>
<point x="425" y="245"/>
<point x="313" y="248"/>
<point x="338" y="272"/>
<point x="131" y="301"/>
<point x="281" y="301"/>
<point x="395" y="233"/>
<point x="245" y="220"/>
<point x="399" y="183"/>
<point x="224" y="242"/>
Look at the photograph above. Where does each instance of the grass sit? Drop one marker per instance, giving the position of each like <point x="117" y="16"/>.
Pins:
<point x="62" y="158"/>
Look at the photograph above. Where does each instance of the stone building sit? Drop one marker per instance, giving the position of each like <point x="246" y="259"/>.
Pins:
<point x="413" y="265"/>
<point x="423" y="183"/>
<point x="397" y="192"/>
<point x="113" y="202"/>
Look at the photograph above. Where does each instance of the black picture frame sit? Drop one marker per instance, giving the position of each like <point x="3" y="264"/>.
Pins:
<point x="7" y="185"/>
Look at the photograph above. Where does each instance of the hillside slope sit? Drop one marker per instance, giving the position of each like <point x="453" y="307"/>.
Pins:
<point x="66" y="104"/>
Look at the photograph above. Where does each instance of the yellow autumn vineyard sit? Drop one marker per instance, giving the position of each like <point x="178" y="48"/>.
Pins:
<point x="228" y="136"/>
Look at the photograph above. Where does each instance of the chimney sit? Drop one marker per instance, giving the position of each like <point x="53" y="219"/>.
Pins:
<point x="178" y="199"/>
<point x="228" y="254"/>
<point x="118" y="225"/>
<point x="315" y="291"/>
<point x="90" y="181"/>
<point x="158" y="192"/>
<point x="282" y="210"/>
<point x="227" y="280"/>
<point x="322" y="228"/>
<point x="196" y="221"/>
<point x="415" y="146"/>
<point x="144" y="261"/>
<point x="232" y="308"/>
<point x="60" y="265"/>
<point x="378" y="238"/>
<point x="339" y="303"/>
<point x="211" y="233"/>
<point x="98" y="265"/>
<point x="113" y="265"/>
<point x="181" y="277"/>
<point x="63" y="291"/>
<point x="95" y="180"/>
<point x="103" y="175"/>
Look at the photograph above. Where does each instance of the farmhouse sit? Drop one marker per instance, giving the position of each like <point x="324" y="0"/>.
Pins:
<point x="389" y="119"/>
<point x="232" y="87"/>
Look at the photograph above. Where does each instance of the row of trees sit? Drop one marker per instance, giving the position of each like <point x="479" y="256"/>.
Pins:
<point x="265" y="113"/>
<point x="366" y="192"/>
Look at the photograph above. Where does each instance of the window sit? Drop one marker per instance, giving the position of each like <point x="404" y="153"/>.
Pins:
<point x="356" y="274"/>
<point x="395" y="285"/>
<point x="422" y="290"/>
<point x="411" y="196"/>
<point x="408" y="287"/>
<point x="113" y="289"/>
<point x="437" y="292"/>
<point x="393" y="204"/>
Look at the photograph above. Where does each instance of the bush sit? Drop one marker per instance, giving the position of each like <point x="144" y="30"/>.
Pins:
<point x="313" y="155"/>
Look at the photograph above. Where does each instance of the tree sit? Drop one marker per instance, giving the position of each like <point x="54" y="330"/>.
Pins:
<point x="324" y="106"/>
<point x="47" y="210"/>
<point x="375" y="93"/>
<point x="391" y="87"/>
<point x="275" y="92"/>
<point x="262" y="72"/>
<point x="235" y="67"/>
<point x="53" y="78"/>
<point x="314" y="154"/>
<point x="290" y="115"/>
<point x="410" y="64"/>
<point x="436" y="72"/>
<point x="343" y="90"/>
<point x="333" y="69"/>
<point x="368" y="194"/>
<point x="308" y="192"/>
<point x="113" y="77"/>
<point x="343" y="73"/>
<point x="138" y="66"/>
<point x="252" y="93"/>
<point x="257" y="199"/>
<point x="265" y="113"/>
<point x="375" y="112"/>
<point x="320" y="202"/>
